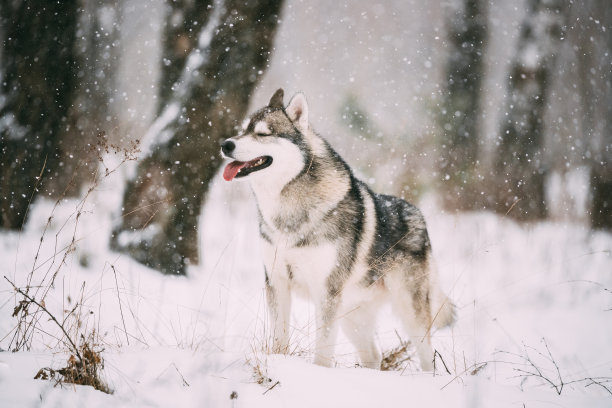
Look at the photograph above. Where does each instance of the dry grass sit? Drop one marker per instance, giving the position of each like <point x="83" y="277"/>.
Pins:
<point x="85" y="362"/>
<point x="262" y="347"/>
<point x="83" y="370"/>
<point x="547" y="370"/>
<point x="398" y="358"/>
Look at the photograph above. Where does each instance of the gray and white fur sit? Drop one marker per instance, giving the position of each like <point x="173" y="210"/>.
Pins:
<point x="328" y="237"/>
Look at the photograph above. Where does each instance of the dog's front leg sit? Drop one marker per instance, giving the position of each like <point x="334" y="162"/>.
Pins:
<point x="327" y="330"/>
<point x="278" y="296"/>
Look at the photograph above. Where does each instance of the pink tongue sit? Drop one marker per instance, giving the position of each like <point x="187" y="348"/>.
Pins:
<point x="232" y="169"/>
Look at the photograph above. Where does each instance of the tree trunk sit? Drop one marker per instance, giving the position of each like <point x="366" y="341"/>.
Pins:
<point x="520" y="172"/>
<point x="601" y="189"/>
<point x="37" y="82"/>
<point x="600" y="83"/>
<point x="185" y="19"/>
<point x="181" y="152"/>
<point x="467" y="34"/>
<point x="91" y="112"/>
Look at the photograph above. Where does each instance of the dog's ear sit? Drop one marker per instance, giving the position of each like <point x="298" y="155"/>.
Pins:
<point x="297" y="110"/>
<point x="277" y="99"/>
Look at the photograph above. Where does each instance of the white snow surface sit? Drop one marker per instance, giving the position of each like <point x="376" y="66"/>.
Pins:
<point x="195" y="340"/>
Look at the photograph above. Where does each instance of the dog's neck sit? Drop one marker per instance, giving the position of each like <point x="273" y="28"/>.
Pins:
<point x="318" y="185"/>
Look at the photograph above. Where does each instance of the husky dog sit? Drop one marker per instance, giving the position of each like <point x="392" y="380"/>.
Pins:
<point x="327" y="236"/>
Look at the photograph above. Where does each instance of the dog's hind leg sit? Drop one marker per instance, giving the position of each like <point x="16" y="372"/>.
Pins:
<point x="358" y="325"/>
<point x="410" y="299"/>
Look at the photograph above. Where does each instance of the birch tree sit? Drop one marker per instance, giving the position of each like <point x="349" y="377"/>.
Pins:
<point x="222" y="52"/>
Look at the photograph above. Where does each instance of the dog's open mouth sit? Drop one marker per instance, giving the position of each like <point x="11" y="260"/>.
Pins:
<point x="241" y="169"/>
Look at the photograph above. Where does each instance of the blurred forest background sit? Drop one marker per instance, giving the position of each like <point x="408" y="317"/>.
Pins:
<point x="494" y="105"/>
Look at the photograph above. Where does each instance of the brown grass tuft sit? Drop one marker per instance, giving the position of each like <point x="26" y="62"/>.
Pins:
<point x="82" y="371"/>
<point x="398" y="357"/>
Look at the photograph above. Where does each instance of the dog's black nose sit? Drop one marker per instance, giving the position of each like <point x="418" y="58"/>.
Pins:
<point x="228" y="146"/>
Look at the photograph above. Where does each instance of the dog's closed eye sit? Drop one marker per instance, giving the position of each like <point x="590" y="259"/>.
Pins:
<point x="262" y="129"/>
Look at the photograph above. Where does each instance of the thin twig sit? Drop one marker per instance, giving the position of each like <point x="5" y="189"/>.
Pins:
<point x="598" y="382"/>
<point x="436" y="353"/>
<point x="274" y="385"/>
<point x="185" y="383"/>
<point x="475" y="366"/>
<point x="120" y="307"/>
<point x="512" y="206"/>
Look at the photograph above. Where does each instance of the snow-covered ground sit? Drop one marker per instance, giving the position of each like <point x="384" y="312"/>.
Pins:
<point x="536" y="291"/>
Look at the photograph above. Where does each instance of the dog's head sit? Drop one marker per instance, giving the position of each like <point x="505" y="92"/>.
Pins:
<point x="272" y="142"/>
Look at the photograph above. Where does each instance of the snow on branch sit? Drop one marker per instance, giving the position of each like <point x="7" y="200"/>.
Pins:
<point x="158" y="133"/>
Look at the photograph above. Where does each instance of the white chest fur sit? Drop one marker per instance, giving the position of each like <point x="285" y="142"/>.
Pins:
<point x="304" y="269"/>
